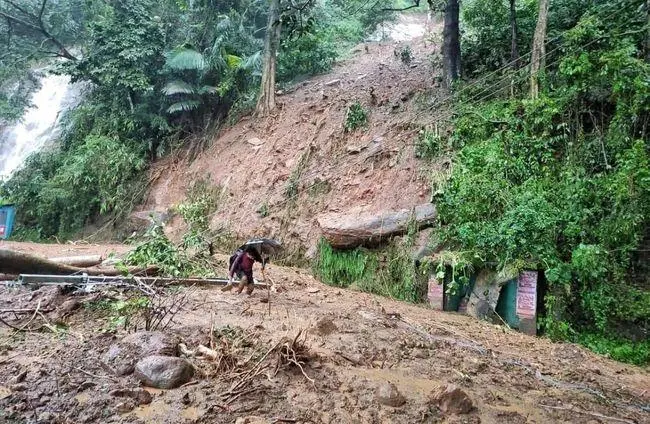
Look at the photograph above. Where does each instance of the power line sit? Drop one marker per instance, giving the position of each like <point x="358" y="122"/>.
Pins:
<point x="477" y="97"/>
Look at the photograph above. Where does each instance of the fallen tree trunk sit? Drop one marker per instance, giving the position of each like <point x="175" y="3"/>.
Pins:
<point x="349" y="230"/>
<point x="79" y="261"/>
<point x="12" y="262"/>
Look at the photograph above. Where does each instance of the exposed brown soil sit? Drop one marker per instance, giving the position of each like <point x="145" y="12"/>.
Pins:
<point x="354" y="343"/>
<point x="373" y="169"/>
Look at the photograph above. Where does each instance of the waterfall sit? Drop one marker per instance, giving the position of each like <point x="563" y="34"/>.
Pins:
<point x="39" y="126"/>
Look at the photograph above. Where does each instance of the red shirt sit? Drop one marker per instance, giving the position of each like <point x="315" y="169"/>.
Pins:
<point x="243" y="263"/>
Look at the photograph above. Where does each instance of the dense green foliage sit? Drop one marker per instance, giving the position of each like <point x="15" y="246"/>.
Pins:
<point x="386" y="271"/>
<point x="160" y="72"/>
<point x="562" y="183"/>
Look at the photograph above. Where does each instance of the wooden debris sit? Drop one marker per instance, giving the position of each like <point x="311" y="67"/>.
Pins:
<point x="79" y="261"/>
<point x="13" y="262"/>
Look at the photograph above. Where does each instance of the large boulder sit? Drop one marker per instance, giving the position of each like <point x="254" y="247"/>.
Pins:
<point x="123" y="355"/>
<point x="358" y="228"/>
<point x="163" y="372"/>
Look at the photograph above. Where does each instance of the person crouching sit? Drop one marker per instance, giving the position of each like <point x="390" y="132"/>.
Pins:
<point x="242" y="266"/>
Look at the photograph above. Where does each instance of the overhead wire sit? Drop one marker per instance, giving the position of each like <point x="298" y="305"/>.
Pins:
<point x="476" y="97"/>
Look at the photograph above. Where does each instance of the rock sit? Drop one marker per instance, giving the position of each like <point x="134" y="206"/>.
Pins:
<point x="21" y="387"/>
<point x="354" y="149"/>
<point x="85" y="385"/>
<point x="313" y="290"/>
<point x="251" y="420"/>
<point x="163" y="372"/>
<point x="45" y="417"/>
<point x="356" y="228"/>
<point x="140" y="396"/>
<point x="123" y="355"/>
<point x="124" y="407"/>
<point x="420" y="353"/>
<point x="255" y="141"/>
<point x="18" y="378"/>
<point x="452" y="400"/>
<point x="387" y="394"/>
<point x="333" y="82"/>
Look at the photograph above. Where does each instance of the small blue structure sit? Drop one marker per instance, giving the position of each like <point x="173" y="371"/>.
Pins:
<point x="7" y="217"/>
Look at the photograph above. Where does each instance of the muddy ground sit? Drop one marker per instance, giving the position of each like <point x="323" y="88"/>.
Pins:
<point x="351" y="345"/>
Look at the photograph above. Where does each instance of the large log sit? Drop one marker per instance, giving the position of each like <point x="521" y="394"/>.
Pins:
<point x="79" y="261"/>
<point x="356" y="228"/>
<point x="12" y="262"/>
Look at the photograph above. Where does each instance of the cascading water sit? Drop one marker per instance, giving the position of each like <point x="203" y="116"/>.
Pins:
<point x="39" y="126"/>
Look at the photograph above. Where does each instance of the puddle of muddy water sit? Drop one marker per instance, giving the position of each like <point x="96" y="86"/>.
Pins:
<point x="404" y="383"/>
<point x="161" y="411"/>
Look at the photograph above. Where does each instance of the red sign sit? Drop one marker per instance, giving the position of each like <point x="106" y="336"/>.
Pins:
<point x="527" y="294"/>
<point x="3" y="229"/>
<point x="436" y="294"/>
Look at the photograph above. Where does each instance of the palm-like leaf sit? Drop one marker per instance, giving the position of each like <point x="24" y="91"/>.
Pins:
<point x="253" y="62"/>
<point x="208" y="89"/>
<point x="181" y="59"/>
<point x="184" y="106"/>
<point x="178" y="87"/>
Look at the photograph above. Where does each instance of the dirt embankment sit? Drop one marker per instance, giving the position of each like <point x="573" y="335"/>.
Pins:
<point x="304" y="143"/>
<point x="365" y="359"/>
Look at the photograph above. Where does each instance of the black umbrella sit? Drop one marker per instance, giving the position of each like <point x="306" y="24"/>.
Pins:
<point x="261" y="248"/>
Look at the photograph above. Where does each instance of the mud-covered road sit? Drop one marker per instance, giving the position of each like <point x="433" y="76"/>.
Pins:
<point x="356" y="349"/>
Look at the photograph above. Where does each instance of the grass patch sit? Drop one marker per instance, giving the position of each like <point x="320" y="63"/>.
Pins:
<point x="389" y="271"/>
<point x="356" y="117"/>
<point x="620" y="350"/>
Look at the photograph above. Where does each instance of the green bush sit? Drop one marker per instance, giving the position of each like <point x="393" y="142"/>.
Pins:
<point x="540" y="184"/>
<point x="356" y="117"/>
<point x="59" y="194"/>
<point x="637" y="353"/>
<point x="388" y="271"/>
<point x="310" y="54"/>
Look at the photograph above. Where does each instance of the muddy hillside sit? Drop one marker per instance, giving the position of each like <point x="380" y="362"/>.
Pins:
<point x="283" y="171"/>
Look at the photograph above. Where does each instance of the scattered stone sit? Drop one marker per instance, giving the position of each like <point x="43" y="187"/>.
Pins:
<point x="140" y="396"/>
<point x="313" y="290"/>
<point x="420" y="353"/>
<point x="255" y="141"/>
<point x="452" y="400"/>
<point x="325" y="327"/>
<point x="251" y="420"/>
<point x="123" y="355"/>
<point x="85" y="385"/>
<point x="124" y="407"/>
<point x="387" y="394"/>
<point x="21" y="387"/>
<point x="163" y="372"/>
<point x="45" y="417"/>
<point x="18" y="378"/>
<point x="354" y="149"/>
<point x="333" y="82"/>
<point x="186" y="400"/>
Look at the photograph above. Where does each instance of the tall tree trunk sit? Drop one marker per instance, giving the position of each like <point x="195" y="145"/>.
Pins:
<point x="647" y="37"/>
<point x="266" y="100"/>
<point x="451" y="43"/>
<point x="539" y="49"/>
<point x="514" y="50"/>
